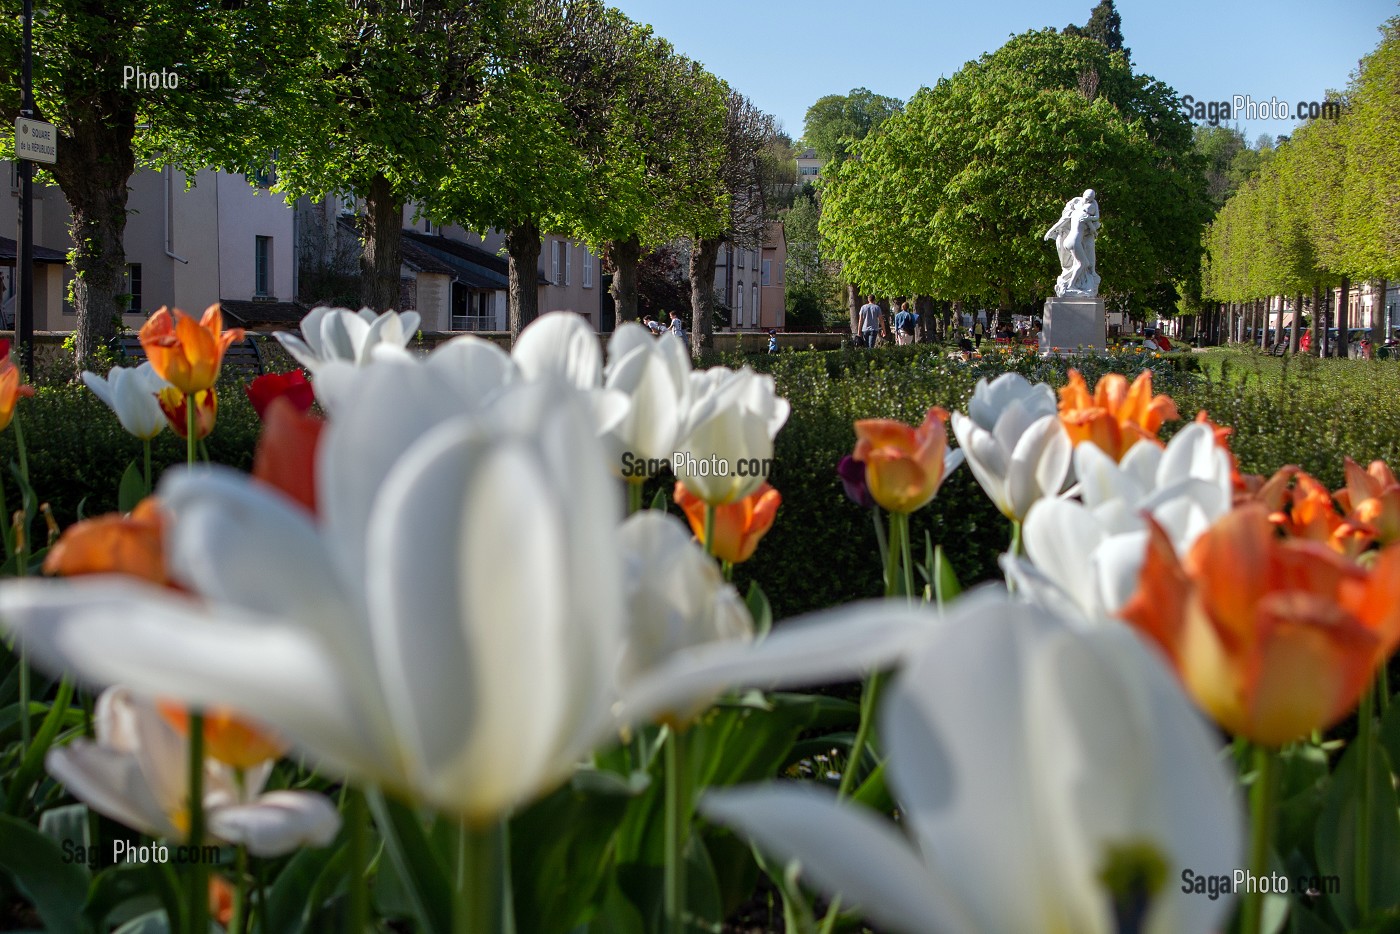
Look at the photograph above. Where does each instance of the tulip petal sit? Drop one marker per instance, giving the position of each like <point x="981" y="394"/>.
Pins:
<point x="826" y="646"/>
<point x="845" y="850"/>
<point x="560" y="344"/>
<point x="111" y="783"/>
<point x="480" y="367"/>
<point x="1039" y="463"/>
<point x="277" y="823"/>
<point x="108" y="630"/>
<point x="1058" y="536"/>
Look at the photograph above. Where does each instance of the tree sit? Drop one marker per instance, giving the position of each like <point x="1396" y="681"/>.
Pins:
<point x="749" y="178"/>
<point x="812" y="283"/>
<point x="372" y="107"/>
<point x="952" y="198"/>
<point x="108" y="121"/>
<point x="1371" y="193"/>
<point x="1105" y="26"/>
<point x="837" y="120"/>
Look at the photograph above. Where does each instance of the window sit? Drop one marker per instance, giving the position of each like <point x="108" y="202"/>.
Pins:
<point x="133" y="287"/>
<point x="743" y="254"/>
<point x="767" y="273"/>
<point x="262" y="266"/>
<point x="739" y="306"/>
<point x="753" y="291"/>
<point x="810" y="170"/>
<point x="587" y="268"/>
<point x="554" y="261"/>
<point x="568" y="262"/>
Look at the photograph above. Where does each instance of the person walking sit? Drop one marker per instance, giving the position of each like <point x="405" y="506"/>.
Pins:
<point x="979" y="330"/>
<point x="904" y="322"/>
<point x="872" y="322"/>
<point x="678" y="328"/>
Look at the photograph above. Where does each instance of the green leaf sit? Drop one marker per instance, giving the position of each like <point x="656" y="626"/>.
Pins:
<point x="945" y="580"/>
<point x="1336" y="834"/>
<point x="759" y="609"/>
<point x="288" y="899"/>
<point x="411" y="856"/>
<point x="660" y="502"/>
<point x="152" y="922"/>
<point x="56" y="887"/>
<point x="127" y="889"/>
<point x="132" y="488"/>
<point x="33" y="764"/>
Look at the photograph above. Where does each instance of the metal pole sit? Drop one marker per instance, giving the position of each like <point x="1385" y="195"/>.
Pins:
<point x="24" y="262"/>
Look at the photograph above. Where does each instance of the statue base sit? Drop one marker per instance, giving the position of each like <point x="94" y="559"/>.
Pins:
<point x="1073" y="325"/>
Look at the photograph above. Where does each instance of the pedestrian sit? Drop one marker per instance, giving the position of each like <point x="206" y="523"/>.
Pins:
<point x="678" y="327"/>
<point x="904" y="321"/>
<point x="872" y="322"/>
<point x="652" y="325"/>
<point x="772" y="340"/>
<point x="978" y="331"/>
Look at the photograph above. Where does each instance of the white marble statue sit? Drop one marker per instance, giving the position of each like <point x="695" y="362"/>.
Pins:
<point x="1074" y="235"/>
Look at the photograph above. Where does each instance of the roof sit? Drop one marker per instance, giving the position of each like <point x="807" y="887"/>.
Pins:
<point x="42" y="254"/>
<point x="483" y="262"/>
<point x="254" y="315"/>
<point x="808" y="153"/>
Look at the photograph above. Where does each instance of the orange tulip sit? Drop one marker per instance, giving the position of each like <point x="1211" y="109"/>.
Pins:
<point x="187" y="353"/>
<point x="221" y="896"/>
<point x="206" y="411"/>
<point x="113" y="544"/>
<point x="11" y="390"/>
<point x="1117" y="415"/>
<point x="904" y="466"/>
<point x="738" y="526"/>
<point x="286" y="454"/>
<point x="1244" y="485"/>
<point x="1371" y="498"/>
<point x="227" y="736"/>
<point x="1273" y="637"/>
<point x="1306" y="511"/>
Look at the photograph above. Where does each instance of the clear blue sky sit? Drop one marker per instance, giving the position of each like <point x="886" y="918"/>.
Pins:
<point x="785" y="55"/>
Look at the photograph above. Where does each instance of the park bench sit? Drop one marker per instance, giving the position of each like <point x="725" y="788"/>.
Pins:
<point x="242" y="357"/>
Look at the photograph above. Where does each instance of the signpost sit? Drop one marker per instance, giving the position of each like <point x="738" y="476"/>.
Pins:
<point x="34" y="141"/>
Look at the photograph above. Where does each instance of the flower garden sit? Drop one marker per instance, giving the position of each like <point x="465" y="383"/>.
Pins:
<point x="437" y="641"/>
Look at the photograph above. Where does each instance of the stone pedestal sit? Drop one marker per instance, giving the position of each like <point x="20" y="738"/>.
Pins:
<point x="1073" y="325"/>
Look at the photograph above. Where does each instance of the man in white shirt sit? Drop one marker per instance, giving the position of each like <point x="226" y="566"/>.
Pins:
<point x="872" y="322"/>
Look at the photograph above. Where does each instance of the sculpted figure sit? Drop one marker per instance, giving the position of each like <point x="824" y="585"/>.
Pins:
<point x="1074" y="235"/>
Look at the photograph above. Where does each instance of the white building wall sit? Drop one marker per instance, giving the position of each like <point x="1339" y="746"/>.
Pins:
<point x="246" y="213"/>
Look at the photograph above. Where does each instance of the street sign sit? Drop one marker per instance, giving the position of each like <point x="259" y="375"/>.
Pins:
<point x="36" y="140"/>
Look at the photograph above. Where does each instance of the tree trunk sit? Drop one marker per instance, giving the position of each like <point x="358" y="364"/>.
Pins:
<point x="379" y="261"/>
<point x="1261" y="313"/>
<point x="1380" y="318"/>
<point x="853" y="307"/>
<point x="1295" y="334"/>
<point x="704" y="253"/>
<point x="97" y="162"/>
<point x="625" y="256"/>
<point x="1003" y="312"/>
<point x="923" y="331"/>
<point x="1343" y="314"/>
<point x="523" y="271"/>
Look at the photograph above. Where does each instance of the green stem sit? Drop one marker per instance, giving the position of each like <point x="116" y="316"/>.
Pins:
<point x="26" y="506"/>
<point x="677" y="827"/>
<point x="238" y="923"/>
<point x="198" y="879"/>
<point x="8" y="532"/>
<point x="906" y="553"/>
<point x="634" y="497"/>
<point x="147" y="444"/>
<point x="880" y="542"/>
<point x="25" y="728"/>
<point x="728" y="568"/>
<point x="709" y="529"/>
<point x="189" y="429"/>
<point x="357" y="819"/>
<point x="1264" y="800"/>
<point x="868" y="699"/>
<point x="1383" y="690"/>
<point x="892" y="561"/>
<point x="1365" y="742"/>
<point x="1015" y="539"/>
<point x="481" y="880"/>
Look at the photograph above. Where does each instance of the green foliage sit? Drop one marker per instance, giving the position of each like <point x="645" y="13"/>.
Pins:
<point x="952" y="197"/>
<point x="1105" y="26"/>
<point x="836" y="121"/>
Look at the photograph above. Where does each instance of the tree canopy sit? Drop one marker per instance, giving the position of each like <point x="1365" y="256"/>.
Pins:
<point x="952" y="197"/>
<point x="836" y="121"/>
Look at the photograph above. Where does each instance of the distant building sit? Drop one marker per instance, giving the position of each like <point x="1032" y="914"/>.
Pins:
<point x="809" y="166"/>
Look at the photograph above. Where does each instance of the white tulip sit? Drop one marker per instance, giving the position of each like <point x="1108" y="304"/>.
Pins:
<point x="341" y="334"/>
<point x="131" y="392"/>
<point x="734" y="417"/>
<point x="137" y="773"/>
<point x="676" y="597"/>
<point x="654" y="374"/>
<point x="561" y="344"/>
<point x="450" y="626"/>
<point x="1026" y="757"/>
<point x="1090" y="552"/>
<point x="1014" y="442"/>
